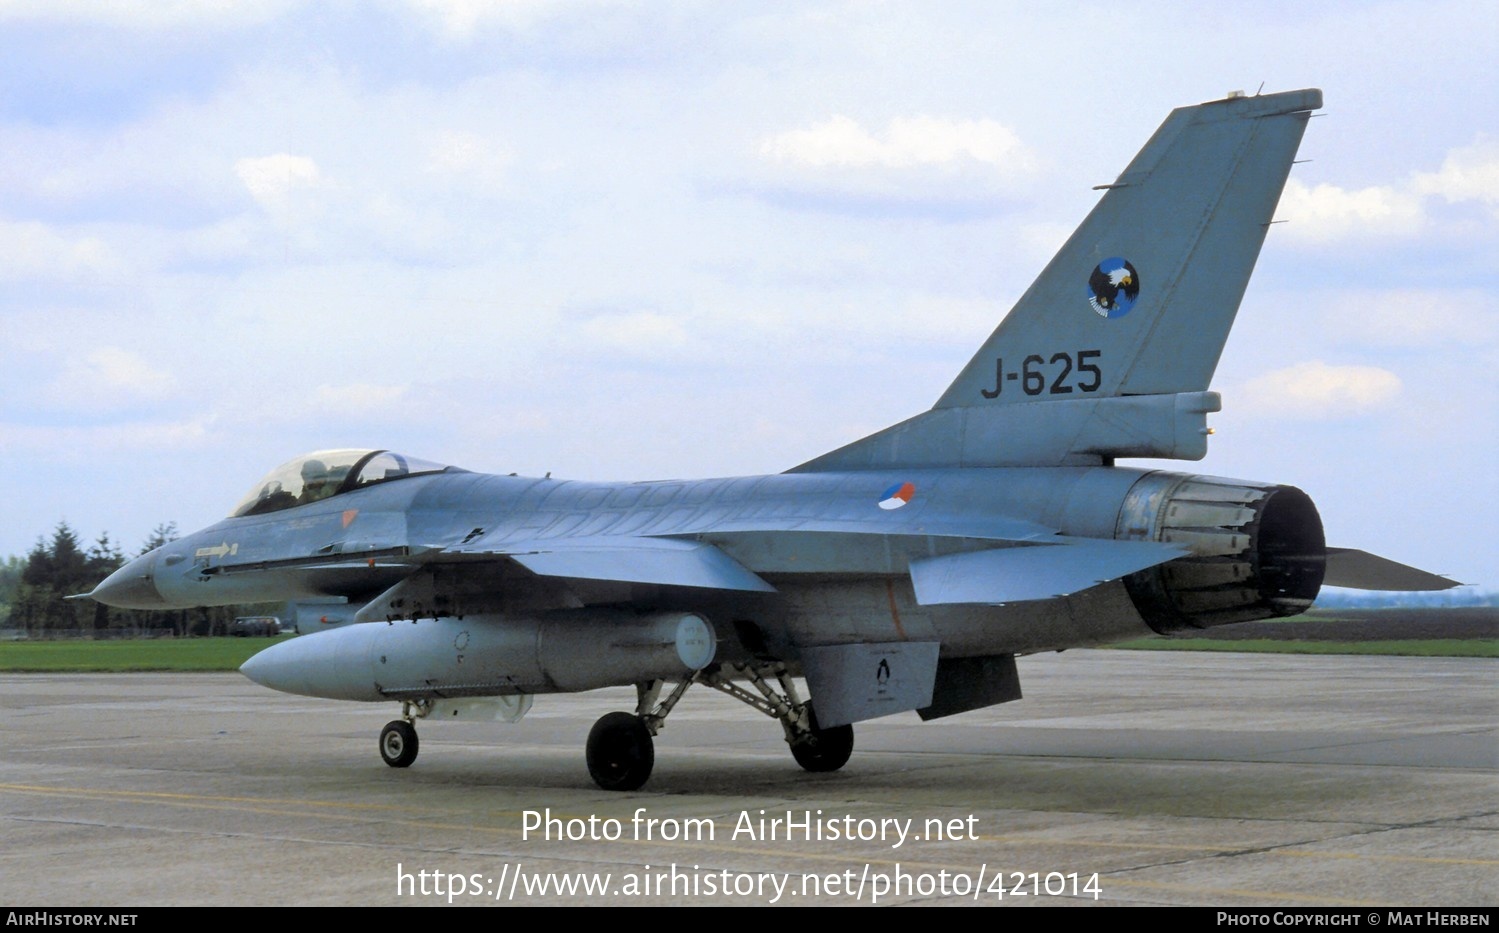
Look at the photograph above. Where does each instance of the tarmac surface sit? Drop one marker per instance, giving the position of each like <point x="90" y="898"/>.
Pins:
<point x="1216" y="779"/>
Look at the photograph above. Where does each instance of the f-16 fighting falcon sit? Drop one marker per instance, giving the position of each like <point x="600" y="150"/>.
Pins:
<point x="905" y="571"/>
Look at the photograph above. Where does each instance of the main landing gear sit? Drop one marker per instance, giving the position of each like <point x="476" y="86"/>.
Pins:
<point x="621" y="751"/>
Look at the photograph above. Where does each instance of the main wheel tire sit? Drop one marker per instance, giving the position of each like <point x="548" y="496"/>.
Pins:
<point x="825" y="749"/>
<point x="621" y="752"/>
<point x="398" y="745"/>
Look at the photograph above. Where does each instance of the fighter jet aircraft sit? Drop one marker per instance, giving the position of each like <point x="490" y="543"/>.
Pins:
<point x="905" y="571"/>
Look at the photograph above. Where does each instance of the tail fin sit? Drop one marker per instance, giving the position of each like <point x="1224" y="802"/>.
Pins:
<point x="1110" y="351"/>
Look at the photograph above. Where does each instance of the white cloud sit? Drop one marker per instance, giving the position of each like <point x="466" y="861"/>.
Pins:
<point x="86" y="444"/>
<point x="356" y="399"/>
<point x="107" y="379"/>
<point x="641" y="333"/>
<point x="1317" y="390"/>
<point x="461" y="19"/>
<point x="156" y="15"/>
<point x="1413" y="317"/>
<point x="906" y="142"/>
<point x="860" y="329"/>
<point x="37" y="251"/>
<point x="1467" y="174"/>
<point x="1328" y="212"/>
<point x="454" y="151"/>
<point x="468" y="158"/>
<point x="914" y="165"/>
<point x="932" y="316"/>
<point x="271" y="179"/>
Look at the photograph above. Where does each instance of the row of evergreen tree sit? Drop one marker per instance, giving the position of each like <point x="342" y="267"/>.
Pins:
<point x="34" y="591"/>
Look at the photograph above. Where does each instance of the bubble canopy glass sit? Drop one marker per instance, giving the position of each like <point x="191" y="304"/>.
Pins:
<point x="325" y="473"/>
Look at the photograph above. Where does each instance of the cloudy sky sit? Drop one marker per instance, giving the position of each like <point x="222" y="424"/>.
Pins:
<point x="618" y="240"/>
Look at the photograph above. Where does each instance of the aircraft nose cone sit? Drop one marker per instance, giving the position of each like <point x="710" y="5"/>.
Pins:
<point x="133" y="586"/>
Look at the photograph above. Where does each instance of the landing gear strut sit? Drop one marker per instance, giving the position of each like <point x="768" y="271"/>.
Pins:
<point x="814" y="748"/>
<point x="621" y="752"/>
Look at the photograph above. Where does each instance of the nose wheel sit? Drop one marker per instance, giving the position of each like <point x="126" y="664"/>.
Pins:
<point x="398" y="745"/>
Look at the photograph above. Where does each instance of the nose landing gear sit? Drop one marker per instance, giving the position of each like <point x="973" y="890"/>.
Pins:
<point x="398" y="744"/>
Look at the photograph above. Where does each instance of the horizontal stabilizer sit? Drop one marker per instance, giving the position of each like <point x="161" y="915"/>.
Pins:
<point x="662" y="561"/>
<point x="1361" y="570"/>
<point x="1020" y="574"/>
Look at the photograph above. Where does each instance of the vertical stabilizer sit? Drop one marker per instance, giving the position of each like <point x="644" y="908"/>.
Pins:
<point x="1110" y="352"/>
<point x="1149" y="285"/>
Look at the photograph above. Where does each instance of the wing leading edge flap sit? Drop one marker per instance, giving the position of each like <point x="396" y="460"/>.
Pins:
<point x="662" y="561"/>
<point x="1021" y="574"/>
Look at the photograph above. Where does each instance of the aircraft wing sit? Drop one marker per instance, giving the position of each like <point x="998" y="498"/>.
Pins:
<point x="1019" y="564"/>
<point x="977" y="572"/>
<point x="944" y="570"/>
<point x="734" y="554"/>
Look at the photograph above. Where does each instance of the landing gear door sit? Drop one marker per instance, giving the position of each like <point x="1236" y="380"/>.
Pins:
<point x="851" y="683"/>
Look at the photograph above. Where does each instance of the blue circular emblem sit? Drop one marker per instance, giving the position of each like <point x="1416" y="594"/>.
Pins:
<point x="1113" y="287"/>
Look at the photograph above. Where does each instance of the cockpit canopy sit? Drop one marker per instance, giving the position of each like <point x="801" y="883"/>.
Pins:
<point x="325" y="473"/>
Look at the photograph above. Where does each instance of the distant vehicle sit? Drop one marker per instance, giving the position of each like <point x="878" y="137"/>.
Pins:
<point x="257" y="626"/>
<point x="905" y="571"/>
